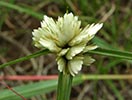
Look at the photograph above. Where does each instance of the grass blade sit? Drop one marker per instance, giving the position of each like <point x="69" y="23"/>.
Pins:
<point x="105" y="52"/>
<point x="33" y="89"/>
<point x="113" y="53"/>
<point x="22" y="9"/>
<point x="29" y="90"/>
<point x="101" y="43"/>
<point x="115" y="90"/>
<point x="43" y="87"/>
<point x="36" y="54"/>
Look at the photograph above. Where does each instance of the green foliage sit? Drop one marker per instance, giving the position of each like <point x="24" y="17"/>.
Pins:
<point x="114" y="39"/>
<point x="104" y="52"/>
<point x="22" y="9"/>
<point x="29" y="90"/>
<point x="36" y="54"/>
<point x="43" y="87"/>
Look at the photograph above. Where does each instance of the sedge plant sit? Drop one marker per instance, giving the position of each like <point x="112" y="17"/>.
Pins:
<point x="69" y="42"/>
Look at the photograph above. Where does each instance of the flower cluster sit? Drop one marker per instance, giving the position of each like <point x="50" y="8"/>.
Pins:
<point x="65" y="38"/>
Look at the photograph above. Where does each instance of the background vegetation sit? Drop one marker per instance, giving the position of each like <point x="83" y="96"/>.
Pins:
<point x="19" y="17"/>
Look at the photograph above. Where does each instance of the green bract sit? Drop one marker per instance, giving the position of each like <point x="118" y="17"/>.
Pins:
<point x="65" y="38"/>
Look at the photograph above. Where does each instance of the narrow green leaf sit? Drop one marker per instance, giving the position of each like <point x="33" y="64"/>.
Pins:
<point x="101" y="43"/>
<point x="33" y="89"/>
<point x="29" y="90"/>
<point x="113" y="53"/>
<point x="43" y="87"/>
<point x="115" y="90"/>
<point x="36" y="54"/>
<point x="22" y="9"/>
<point x="105" y="52"/>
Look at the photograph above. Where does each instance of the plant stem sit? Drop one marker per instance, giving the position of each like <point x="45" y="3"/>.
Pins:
<point x="107" y="77"/>
<point x="64" y="86"/>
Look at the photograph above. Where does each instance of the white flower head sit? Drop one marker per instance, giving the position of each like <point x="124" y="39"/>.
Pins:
<point x="65" y="38"/>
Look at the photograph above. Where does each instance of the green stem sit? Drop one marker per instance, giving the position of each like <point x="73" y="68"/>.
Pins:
<point x="64" y="86"/>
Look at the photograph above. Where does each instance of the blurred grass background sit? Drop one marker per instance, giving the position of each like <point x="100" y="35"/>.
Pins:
<point x="19" y="17"/>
